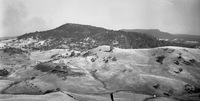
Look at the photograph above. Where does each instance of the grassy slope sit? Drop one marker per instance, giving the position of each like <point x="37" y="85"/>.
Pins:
<point x="134" y="70"/>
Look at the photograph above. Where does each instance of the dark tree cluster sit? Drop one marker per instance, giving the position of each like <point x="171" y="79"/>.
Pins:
<point x="12" y="50"/>
<point x="4" y="72"/>
<point x="160" y="59"/>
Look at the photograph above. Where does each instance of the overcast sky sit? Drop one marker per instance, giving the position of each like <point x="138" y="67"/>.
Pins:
<point x="175" y="16"/>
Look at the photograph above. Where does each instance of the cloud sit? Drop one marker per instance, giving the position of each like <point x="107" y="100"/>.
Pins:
<point x="168" y="2"/>
<point x="17" y="20"/>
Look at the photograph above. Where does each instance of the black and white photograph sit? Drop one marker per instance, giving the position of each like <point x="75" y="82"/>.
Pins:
<point x="99" y="50"/>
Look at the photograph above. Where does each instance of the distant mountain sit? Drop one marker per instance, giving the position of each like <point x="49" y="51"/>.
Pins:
<point x="187" y="37"/>
<point x="7" y="37"/>
<point x="83" y="37"/>
<point x="183" y="38"/>
<point x="153" y="32"/>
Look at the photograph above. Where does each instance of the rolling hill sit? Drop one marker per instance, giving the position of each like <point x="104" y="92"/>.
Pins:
<point x="76" y="62"/>
<point x="156" y="74"/>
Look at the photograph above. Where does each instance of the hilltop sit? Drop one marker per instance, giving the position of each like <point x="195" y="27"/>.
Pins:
<point x="83" y="37"/>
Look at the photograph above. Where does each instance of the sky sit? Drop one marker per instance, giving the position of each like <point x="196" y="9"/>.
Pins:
<point x="18" y="17"/>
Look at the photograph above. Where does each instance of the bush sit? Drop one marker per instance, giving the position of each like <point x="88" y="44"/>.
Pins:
<point x="93" y="60"/>
<point x="86" y="54"/>
<point x="58" y="67"/>
<point x="176" y="62"/>
<point x="53" y="56"/>
<point x="160" y="59"/>
<point x="192" y="60"/>
<point x="186" y="63"/>
<point x="4" y="72"/>
<point x="78" y="54"/>
<point x="72" y="54"/>
<point x="189" y="88"/>
<point x="114" y="59"/>
<point x="43" y="68"/>
<point x="12" y="50"/>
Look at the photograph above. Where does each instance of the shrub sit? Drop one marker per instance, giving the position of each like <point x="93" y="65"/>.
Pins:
<point x="78" y="54"/>
<point x="93" y="60"/>
<point x="53" y="56"/>
<point x="43" y="67"/>
<point x="192" y="60"/>
<point x="4" y="72"/>
<point x="186" y="63"/>
<point x="176" y="62"/>
<point x="114" y="59"/>
<point x="72" y="54"/>
<point x="86" y="54"/>
<point x="160" y="59"/>
<point x="189" y="88"/>
<point x="12" y="50"/>
<point x="58" y="67"/>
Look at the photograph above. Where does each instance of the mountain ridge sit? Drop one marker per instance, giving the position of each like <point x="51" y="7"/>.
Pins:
<point x="87" y="36"/>
<point x="184" y="38"/>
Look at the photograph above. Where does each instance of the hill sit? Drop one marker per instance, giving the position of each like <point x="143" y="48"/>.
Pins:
<point x="86" y="63"/>
<point x="180" y="38"/>
<point x="83" y="37"/>
<point x="102" y="74"/>
<point x="153" y="32"/>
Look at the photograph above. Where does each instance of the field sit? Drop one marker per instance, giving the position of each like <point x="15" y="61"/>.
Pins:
<point x="100" y="74"/>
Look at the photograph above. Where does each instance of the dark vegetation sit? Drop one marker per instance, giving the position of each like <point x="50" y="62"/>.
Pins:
<point x="176" y="62"/>
<point x="168" y="93"/>
<point x="53" y="56"/>
<point x="51" y="90"/>
<point x="160" y="59"/>
<point x="180" y="61"/>
<point x="189" y="88"/>
<point x="180" y="38"/>
<point x="72" y="54"/>
<point x="43" y="67"/>
<point x="114" y="59"/>
<point x="62" y="71"/>
<point x="105" y="60"/>
<point x="4" y="72"/>
<point x="192" y="60"/>
<point x="32" y="78"/>
<point x="169" y="50"/>
<point x="74" y="36"/>
<point x="93" y="60"/>
<point x="156" y="86"/>
<point x="186" y="63"/>
<point x="88" y="53"/>
<point x="12" y="50"/>
<point x="111" y="96"/>
<point x="179" y="70"/>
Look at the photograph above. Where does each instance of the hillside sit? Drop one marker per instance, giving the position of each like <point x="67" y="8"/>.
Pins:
<point x="153" y="32"/>
<point x="76" y="62"/>
<point x="101" y="74"/>
<point x="180" y="38"/>
<point x="83" y="37"/>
